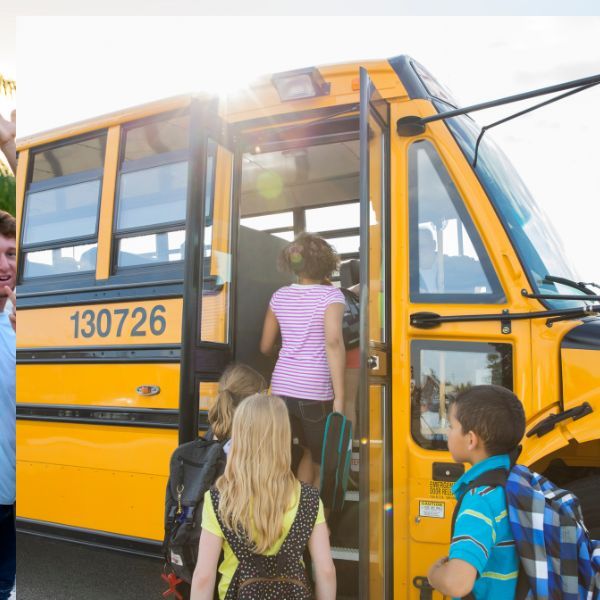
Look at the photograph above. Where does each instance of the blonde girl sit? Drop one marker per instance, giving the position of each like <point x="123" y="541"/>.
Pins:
<point x="259" y="494"/>
<point x="237" y="382"/>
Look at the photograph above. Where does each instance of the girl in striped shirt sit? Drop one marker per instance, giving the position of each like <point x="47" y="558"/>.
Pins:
<point x="309" y="373"/>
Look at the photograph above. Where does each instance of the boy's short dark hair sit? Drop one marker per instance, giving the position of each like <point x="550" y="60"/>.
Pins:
<point x="494" y="413"/>
<point x="309" y="255"/>
<point x="8" y="225"/>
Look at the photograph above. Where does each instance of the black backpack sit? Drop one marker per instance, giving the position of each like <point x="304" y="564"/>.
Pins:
<point x="194" y="468"/>
<point x="261" y="577"/>
<point x="351" y="320"/>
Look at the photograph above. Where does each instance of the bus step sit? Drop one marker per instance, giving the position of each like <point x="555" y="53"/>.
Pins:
<point x="349" y="554"/>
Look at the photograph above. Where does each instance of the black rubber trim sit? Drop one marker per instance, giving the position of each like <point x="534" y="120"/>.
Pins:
<point x="119" y="354"/>
<point x="90" y="537"/>
<point x="101" y="294"/>
<point x="156" y="418"/>
<point x="402" y="65"/>
<point x="100" y="415"/>
<point x="583" y="337"/>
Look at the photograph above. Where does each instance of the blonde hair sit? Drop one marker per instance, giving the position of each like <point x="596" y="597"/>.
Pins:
<point x="237" y="382"/>
<point x="257" y="485"/>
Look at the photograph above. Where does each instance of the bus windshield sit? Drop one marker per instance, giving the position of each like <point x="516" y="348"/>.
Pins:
<point x="535" y="239"/>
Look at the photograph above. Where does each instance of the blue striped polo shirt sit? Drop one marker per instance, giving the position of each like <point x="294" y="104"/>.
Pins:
<point x="482" y="535"/>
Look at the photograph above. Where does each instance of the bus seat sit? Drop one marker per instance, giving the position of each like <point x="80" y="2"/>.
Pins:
<point x="349" y="273"/>
<point x="66" y="264"/>
<point x="257" y="279"/>
<point x="35" y="269"/>
<point x="128" y="259"/>
<point x="463" y="274"/>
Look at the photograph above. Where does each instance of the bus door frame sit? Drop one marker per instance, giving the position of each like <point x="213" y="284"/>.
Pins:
<point x="375" y="572"/>
<point x="202" y="361"/>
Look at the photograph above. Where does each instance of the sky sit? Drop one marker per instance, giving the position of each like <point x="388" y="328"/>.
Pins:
<point x="71" y="68"/>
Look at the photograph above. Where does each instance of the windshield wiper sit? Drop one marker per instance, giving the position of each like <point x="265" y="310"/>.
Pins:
<point x="578" y="285"/>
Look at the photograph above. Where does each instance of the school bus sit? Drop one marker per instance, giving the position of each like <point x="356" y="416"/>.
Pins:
<point x="147" y="248"/>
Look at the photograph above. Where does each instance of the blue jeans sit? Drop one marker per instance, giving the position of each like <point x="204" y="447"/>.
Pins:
<point x="8" y="546"/>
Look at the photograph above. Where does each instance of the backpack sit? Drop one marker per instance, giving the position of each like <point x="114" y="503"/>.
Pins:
<point x="351" y="320"/>
<point x="558" y="560"/>
<point x="194" y="468"/>
<point x="335" y="460"/>
<point x="279" y="576"/>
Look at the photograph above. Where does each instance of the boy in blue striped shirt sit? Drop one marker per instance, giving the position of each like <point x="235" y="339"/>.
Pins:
<point x="486" y="424"/>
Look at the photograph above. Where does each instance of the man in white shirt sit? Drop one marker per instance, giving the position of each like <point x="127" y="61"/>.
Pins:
<point x="8" y="275"/>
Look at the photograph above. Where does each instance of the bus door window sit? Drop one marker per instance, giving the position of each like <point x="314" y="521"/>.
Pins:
<point x="60" y="230"/>
<point x="283" y="193"/>
<point x="440" y="370"/>
<point x="217" y="263"/>
<point x="207" y="396"/>
<point x="151" y="194"/>
<point x="448" y="261"/>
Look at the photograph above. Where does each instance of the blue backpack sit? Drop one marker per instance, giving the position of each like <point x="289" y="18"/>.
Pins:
<point x="558" y="560"/>
<point x="557" y="555"/>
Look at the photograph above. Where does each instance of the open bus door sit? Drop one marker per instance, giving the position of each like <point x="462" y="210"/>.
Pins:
<point x="206" y="338"/>
<point x="375" y="526"/>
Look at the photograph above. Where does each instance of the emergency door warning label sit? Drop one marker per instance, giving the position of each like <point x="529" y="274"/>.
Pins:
<point x="435" y="510"/>
<point x="440" y="489"/>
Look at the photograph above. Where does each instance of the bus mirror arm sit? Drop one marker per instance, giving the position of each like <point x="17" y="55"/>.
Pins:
<point x="429" y="320"/>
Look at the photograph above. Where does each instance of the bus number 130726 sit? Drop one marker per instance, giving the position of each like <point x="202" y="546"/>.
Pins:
<point x="121" y="322"/>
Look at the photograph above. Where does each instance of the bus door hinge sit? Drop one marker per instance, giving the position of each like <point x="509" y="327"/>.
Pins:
<point x="505" y="326"/>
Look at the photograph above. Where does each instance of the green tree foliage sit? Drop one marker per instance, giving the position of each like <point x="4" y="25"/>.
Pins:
<point x="7" y="86"/>
<point x="8" y="190"/>
<point x="7" y="182"/>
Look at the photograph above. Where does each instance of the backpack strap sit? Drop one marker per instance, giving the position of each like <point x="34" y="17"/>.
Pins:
<point x="240" y="544"/>
<point x="304" y="522"/>
<point x="494" y="478"/>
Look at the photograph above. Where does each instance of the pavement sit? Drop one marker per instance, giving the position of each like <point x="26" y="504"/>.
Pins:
<point x="55" y="570"/>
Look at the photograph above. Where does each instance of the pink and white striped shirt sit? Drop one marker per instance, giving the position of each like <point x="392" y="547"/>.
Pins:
<point x="302" y="370"/>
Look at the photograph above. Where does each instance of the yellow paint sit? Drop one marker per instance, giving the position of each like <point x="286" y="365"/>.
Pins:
<point x="95" y="477"/>
<point x="107" y="203"/>
<point x="108" y="385"/>
<point x="21" y="177"/>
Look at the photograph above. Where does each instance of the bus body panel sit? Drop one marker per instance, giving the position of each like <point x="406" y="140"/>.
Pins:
<point x="101" y="385"/>
<point x="94" y="477"/>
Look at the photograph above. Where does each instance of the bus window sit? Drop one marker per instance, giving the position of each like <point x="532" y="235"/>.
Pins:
<point x="278" y="224"/>
<point x="61" y="209"/>
<point x="283" y="193"/>
<point x="440" y="370"/>
<point x="152" y="191"/>
<point x="448" y="261"/>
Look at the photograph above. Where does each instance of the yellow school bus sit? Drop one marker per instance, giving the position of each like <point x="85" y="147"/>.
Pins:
<point x="148" y="241"/>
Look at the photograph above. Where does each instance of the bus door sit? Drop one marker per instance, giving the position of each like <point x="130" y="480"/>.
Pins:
<point x="454" y="268"/>
<point x="207" y="307"/>
<point x="375" y="527"/>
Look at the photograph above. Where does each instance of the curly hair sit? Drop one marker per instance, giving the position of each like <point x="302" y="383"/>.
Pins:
<point x="310" y="256"/>
<point x="8" y="225"/>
